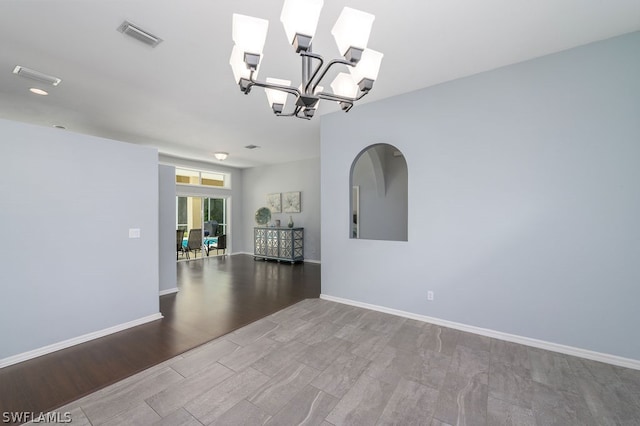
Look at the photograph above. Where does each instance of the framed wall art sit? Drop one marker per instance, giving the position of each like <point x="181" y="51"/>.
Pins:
<point x="291" y="202"/>
<point x="273" y="203"/>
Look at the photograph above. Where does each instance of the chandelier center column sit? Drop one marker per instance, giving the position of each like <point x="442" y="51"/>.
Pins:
<point x="306" y="70"/>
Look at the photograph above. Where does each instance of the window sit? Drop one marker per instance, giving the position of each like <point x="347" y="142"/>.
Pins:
<point x="214" y="209"/>
<point x="182" y="214"/>
<point x="195" y="177"/>
<point x="212" y="179"/>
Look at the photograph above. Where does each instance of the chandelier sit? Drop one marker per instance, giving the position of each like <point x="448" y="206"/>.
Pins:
<point x="300" y="19"/>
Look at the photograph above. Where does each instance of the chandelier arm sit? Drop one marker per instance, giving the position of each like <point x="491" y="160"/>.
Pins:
<point x="303" y="117"/>
<point x="361" y="95"/>
<point x="295" y="114"/>
<point x="290" y="114"/>
<point x="291" y="90"/>
<point x="336" y="98"/>
<point x="326" y="69"/>
<point x="280" y="87"/>
<point x="315" y="72"/>
<point x="287" y="89"/>
<point x="299" y="109"/>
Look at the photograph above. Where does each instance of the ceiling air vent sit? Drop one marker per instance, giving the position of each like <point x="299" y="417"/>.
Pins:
<point x="37" y="76"/>
<point x="252" y="146"/>
<point x="139" y="34"/>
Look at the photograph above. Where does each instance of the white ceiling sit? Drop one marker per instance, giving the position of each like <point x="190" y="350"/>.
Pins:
<point x="181" y="98"/>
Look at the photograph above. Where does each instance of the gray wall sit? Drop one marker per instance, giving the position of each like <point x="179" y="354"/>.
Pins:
<point x="303" y="176"/>
<point x="523" y="200"/>
<point x="167" y="227"/>
<point x="67" y="265"/>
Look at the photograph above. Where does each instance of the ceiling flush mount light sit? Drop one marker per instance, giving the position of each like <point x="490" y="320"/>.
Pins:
<point x="300" y="19"/>
<point x="221" y="155"/>
<point x="38" y="91"/>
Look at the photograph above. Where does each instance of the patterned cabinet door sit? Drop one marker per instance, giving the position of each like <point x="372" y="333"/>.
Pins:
<point x="259" y="242"/>
<point x="279" y="243"/>
<point x="286" y="244"/>
<point x="272" y="243"/>
<point x="298" y="244"/>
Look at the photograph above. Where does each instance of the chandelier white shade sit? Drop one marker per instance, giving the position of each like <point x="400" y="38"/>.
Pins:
<point x="343" y="85"/>
<point x="277" y="99"/>
<point x="239" y="67"/>
<point x="221" y="155"/>
<point x="249" y="33"/>
<point x="352" y="29"/>
<point x="300" y="20"/>
<point x="300" y="17"/>
<point x="367" y="68"/>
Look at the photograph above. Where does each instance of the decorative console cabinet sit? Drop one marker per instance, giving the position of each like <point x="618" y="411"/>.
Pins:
<point x="285" y="244"/>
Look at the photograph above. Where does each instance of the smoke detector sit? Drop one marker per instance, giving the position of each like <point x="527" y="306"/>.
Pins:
<point x="139" y="34"/>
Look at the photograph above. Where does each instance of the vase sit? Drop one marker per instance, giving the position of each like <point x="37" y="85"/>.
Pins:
<point x="290" y="224"/>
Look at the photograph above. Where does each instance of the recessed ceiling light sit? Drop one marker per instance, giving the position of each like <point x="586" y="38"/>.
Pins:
<point x="221" y="155"/>
<point x="38" y="91"/>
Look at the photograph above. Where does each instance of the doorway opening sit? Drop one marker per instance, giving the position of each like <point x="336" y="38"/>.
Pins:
<point x="202" y="228"/>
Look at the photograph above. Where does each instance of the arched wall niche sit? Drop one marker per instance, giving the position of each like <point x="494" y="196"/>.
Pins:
<point x="378" y="184"/>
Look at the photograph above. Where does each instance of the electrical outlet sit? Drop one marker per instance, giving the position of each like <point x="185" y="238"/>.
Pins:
<point x="430" y="295"/>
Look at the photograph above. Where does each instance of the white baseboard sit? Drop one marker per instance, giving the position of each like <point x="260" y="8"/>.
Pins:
<point x="5" y="362"/>
<point x="169" y="291"/>
<point x="550" y="346"/>
<point x="306" y="260"/>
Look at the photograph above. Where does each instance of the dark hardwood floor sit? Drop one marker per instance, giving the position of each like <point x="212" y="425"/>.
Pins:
<point x="217" y="295"/>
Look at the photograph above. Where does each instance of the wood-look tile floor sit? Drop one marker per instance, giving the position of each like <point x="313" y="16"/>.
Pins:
<point x="217" y="296"/>
<point x="323" y="363"/>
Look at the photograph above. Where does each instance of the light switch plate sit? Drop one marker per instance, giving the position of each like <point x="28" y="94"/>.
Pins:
<point x="134" y="233"/>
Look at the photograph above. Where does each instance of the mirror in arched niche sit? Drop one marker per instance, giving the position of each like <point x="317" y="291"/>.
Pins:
<point x="379" y="194"/>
